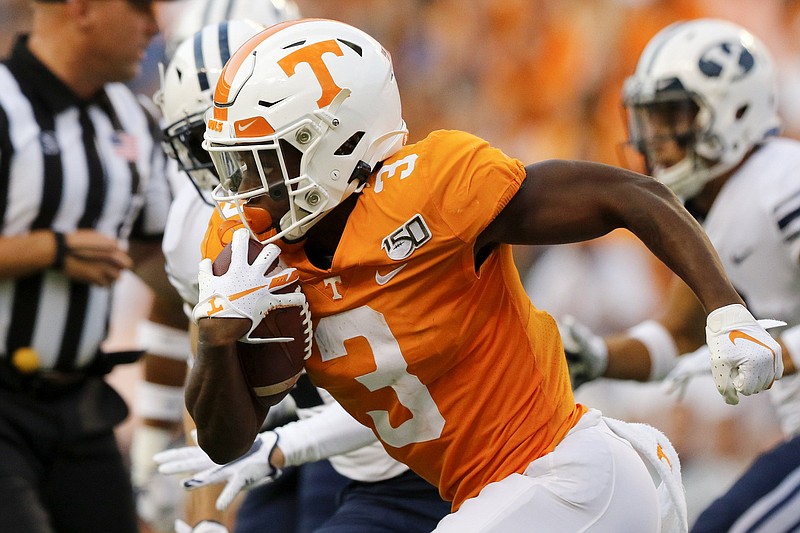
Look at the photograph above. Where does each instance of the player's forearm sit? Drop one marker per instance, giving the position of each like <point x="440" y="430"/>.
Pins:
<point x="330" y="432"/>
<point x="628" y="358"/>
<point x="219" y="400"/>
<point x="656" y="216"/>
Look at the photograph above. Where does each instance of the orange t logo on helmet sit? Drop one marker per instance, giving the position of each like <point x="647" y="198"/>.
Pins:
<point x="311" y="55"/>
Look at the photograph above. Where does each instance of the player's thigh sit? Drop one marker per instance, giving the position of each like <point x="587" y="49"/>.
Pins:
<point x="274" y="503"/>
<point x="319" y="490"/>
<point x="593" y="481"/>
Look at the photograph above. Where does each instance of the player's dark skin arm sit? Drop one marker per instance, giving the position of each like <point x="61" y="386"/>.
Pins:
<point x="559" y="202"/>
<point x="219" y="400"/>
<point x="569" y="201"/>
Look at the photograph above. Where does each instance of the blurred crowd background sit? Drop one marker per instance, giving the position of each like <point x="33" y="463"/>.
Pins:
<point x="542" y="79"/>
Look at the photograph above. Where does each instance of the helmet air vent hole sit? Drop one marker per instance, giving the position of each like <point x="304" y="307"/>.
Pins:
<point x="298" y="43"/>
<point x="350" y="144"/>
<point x="357" y="49"/>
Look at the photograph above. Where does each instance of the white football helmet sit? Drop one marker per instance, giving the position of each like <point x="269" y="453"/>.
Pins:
<point x="186" y="93"/>
<point x="306" y="109"/>
<point x="196" y="14"/>
<point x="718" y="74"/>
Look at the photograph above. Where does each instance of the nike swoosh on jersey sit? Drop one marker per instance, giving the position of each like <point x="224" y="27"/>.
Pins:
<point x="736" y="334"/>
<point x="383" y="280"/>
<point x="740" y="257"/>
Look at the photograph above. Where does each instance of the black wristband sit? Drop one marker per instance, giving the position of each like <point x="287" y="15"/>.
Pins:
<point x="61" y="250"/>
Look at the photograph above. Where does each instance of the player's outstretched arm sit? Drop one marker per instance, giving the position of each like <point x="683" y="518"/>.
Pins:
<point x="569" y="201"/>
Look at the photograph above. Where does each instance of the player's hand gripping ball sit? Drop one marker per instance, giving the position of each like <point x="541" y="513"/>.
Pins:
<point x="247" y="280"/>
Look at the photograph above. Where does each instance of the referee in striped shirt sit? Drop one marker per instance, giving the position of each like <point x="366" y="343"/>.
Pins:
<point x="82" y="197"/>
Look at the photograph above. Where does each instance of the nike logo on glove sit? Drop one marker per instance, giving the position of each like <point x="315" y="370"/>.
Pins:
<point x="736" y="334"/>
<point x="383" y="280"/>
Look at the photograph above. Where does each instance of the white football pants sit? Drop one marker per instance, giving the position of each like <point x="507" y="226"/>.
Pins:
<point x="593" y="481"/>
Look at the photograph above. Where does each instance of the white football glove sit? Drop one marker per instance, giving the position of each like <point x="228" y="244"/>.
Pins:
<point x="250" y="470"/>
<point x="206" y="526"/>
<point x="688" y="367"/>
<point x="587" y="353"/>
<point x="245" y="290"/>
<point x="744" y="357"/>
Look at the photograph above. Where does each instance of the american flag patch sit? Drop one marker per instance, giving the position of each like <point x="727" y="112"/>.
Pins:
<point x="125" y="146"/>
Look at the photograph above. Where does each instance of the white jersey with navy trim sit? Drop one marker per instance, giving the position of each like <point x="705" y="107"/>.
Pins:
<point x="186" y="225"/>
<point x="754" y="225"/>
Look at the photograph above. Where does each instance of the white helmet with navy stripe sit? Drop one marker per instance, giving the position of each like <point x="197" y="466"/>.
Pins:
<point x="187" y="90"/>
<point x="196" y="14"/>
<point x="727" y="77"/>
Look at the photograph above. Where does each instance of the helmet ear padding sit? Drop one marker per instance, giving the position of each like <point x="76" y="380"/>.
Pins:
<point x="360" y="173"/>
<point x="729" y="74"/>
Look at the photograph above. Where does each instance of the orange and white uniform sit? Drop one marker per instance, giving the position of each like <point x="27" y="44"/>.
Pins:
<point x="402" y="307"/>
<point x="456" y="372"/>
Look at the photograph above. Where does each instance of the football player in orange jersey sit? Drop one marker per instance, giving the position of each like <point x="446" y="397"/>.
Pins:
<point x="422" y="329"/>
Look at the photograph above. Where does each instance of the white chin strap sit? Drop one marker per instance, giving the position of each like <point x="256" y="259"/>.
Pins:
<point x="687" y="177"/>
<point x="683" y="178"/>
<point x="299" y="230"/>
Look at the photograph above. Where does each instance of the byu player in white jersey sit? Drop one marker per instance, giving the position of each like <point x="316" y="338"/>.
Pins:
<point x="325" y="430"/>
<point x="702" y="112"/>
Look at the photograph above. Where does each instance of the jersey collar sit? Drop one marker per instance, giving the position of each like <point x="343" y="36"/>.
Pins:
<point x="39" y="82"/>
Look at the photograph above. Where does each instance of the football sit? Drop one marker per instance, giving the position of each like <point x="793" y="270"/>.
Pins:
<point x="272" y="368"/>
<point x="223" y="260"/>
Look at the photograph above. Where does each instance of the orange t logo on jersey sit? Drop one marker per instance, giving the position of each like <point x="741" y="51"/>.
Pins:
<point x="312" y="56"/>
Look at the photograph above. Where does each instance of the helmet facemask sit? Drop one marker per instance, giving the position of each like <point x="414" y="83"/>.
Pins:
<point x="183" y="141"/>
<point x="186" y="93"/>
<point x="277" y="170"/>
<point x="667" y="131"/>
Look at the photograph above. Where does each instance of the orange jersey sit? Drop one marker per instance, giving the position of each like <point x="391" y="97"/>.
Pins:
<point x="455" y="371"/>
